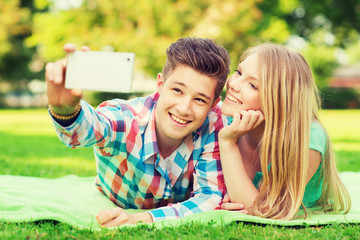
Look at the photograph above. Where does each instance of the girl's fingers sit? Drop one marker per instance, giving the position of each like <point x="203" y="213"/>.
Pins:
<point x="236" y="119"/>
<point x="260" y="119"/>
<point x="226" y="198"/>
<point x="251" y="119"/>
<point x="254" y="116"/>
<point x="245" y="118"/>
<point x="244" y="211"/>
<point x="232" y="206"/>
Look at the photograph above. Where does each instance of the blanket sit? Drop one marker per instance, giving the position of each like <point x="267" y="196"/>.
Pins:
<point x="75" y="200"/>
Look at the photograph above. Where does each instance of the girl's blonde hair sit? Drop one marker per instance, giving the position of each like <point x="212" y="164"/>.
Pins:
<point x="290" y="102"/>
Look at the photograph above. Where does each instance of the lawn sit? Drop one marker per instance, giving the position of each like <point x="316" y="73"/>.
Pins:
<point x="29" y="147"/>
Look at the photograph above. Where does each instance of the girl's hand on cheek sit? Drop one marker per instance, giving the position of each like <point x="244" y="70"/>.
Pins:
<point x="250" y="119"/>
<point x="243" y="122"/>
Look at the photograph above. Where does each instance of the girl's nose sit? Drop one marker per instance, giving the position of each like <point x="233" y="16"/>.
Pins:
<point x="234" y="84"/>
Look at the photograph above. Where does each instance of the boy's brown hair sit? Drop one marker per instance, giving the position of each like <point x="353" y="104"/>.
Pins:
<point x="202" y="55"/>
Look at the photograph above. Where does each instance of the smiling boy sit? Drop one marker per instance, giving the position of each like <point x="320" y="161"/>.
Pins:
<point x="158" y="152"/>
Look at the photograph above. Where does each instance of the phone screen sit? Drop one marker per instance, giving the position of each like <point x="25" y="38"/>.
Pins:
<point x="100" y="71"/>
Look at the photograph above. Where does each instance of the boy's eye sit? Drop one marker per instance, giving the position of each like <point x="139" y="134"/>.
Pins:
<point x="200" y="100"/>
<point x="238" y="72"/>
<point x="177" y="90"/>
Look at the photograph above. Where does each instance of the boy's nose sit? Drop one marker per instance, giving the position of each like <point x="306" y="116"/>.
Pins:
<point x="184" y="107"/>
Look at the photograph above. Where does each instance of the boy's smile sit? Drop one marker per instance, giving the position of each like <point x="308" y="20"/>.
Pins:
<point x="178" y="120"/>
<point x="186" y="97"/>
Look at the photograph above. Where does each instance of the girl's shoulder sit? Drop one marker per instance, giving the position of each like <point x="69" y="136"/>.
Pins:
<point x="318" y="137"/>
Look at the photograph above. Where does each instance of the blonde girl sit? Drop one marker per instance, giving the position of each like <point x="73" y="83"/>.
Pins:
<point x="276" y="155"/>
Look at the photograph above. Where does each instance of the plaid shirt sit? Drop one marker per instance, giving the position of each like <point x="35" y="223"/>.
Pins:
<point x="131" y="172"/>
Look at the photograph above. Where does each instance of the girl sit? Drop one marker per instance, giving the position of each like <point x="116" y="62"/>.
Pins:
<point x="276" y="155"/>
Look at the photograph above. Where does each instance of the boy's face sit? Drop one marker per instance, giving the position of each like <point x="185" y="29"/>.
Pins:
<point x="185" y="99"/>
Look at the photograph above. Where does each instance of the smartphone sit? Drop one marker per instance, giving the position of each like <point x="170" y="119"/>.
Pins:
<point x="100" y="71"/>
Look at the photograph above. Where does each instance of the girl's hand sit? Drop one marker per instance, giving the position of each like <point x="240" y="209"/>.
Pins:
<point x="243" y="122"/>
<point x="237" y="207"/>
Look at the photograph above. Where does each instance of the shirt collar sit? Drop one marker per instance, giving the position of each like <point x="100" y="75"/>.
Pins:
<point x="150" y="141"/>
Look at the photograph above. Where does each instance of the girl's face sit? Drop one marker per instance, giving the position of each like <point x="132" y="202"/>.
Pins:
<point x="243" y="88"/>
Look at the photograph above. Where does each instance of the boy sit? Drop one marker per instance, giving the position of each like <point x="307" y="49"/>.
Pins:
<point x="157" y="152"/>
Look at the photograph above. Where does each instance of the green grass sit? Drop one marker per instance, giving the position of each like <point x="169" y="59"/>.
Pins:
<point x="344" y="131"/>
<point x="30" y="147"/>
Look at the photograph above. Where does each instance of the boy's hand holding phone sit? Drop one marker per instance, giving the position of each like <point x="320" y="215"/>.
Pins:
<point x="98" y="71"/>
<point x="63" y="101"/>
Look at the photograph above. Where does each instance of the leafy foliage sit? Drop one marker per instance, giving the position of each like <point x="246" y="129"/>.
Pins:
<point x="15" y="26"/>
<point x="148" y="27"/>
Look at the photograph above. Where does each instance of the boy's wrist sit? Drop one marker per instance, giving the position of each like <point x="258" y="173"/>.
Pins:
<point x="144" y="217"/>
<point x="63" y="110"/>
<point x="62" y="113"/>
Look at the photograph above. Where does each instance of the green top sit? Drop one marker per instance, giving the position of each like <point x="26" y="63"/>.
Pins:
<point x="313" y="189"/>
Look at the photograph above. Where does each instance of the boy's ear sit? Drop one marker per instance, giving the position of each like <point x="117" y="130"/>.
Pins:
<point x="216" y="101"/>
<point x="159" y="81"/>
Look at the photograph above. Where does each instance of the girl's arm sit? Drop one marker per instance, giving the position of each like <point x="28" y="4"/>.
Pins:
<point x="239" y="185"/>
<point x="314" y="162"/>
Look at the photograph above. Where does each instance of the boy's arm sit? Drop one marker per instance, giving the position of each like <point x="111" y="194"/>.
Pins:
<point x="92" y="127"/>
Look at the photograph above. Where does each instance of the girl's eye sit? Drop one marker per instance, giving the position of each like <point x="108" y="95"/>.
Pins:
<point x="253" y="86"/>
<point x="238" y="72"/>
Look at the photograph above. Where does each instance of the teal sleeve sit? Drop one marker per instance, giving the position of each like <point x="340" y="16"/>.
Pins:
<point x="318" y="138"/>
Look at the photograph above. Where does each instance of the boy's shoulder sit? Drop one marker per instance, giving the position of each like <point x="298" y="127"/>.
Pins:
<point x="215" y="119"/>
<point x="137" y="109"/>
<point x="136" y="105"/>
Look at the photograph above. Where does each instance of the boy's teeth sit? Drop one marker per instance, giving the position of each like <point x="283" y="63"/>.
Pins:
<point x="233" y="99"/>
<point x="178" y="119"/>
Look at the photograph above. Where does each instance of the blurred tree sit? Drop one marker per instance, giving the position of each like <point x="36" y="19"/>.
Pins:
<point x="327" y="27"/>
<point x="144" y="27"/>
<point x="148" y="27"/>
<point x="15" y="27"/>
<point x="340" y="18"/>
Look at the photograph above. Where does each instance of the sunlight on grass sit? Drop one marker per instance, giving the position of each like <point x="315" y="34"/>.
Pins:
<point x="26" y="122"/>
<point x="33" y="149"/>
<point x="342" y="124"/>
<point x="29" y="145"/>
<point x="344" y="131"/>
